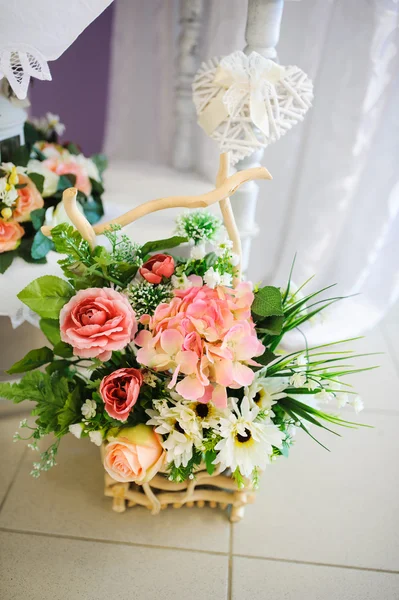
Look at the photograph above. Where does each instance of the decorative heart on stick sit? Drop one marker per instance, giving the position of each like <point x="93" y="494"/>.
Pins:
<point x="247" y="102"/>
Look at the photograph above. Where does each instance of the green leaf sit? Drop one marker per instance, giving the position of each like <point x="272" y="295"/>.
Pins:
<point x="41" y="245"/>
<point x="267" y="302"/>
<point x="266" y="358"/>
<point x="97" y="188"/>
<point x="156" y="245"/>
<point x="56" y="366"/>
<point x="24" y="251"/>
<point x="38" y="180"/>
<point x="67" y="240"/>
<point x="46" y="295"/>
<point x="271" y="325"/>
<point x="51" y="329"/>
<point x="209" y="457"/>
<point x="31" y="134"/>
<point x="66" y="181"/>
<point x="71" y="412"/>
<point x="101" y="162"/>
<point x="37" y="217"/>
<point x="73" y="148"/>
<point x="64" y="350"/>
<point x="6" y="259"/>
<point x="21" y="156"/>
<point x="93" y="210"/>
<point x="33" y="360"/>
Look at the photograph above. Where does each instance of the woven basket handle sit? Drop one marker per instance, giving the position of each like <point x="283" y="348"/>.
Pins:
<point x="225" y="186"/>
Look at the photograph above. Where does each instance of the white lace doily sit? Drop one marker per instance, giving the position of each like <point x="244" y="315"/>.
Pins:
<point x="33" y="33"/>
<point x="248" y="102"/>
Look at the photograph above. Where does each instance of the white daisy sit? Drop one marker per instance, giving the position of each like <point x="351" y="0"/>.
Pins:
<point x="179" y="447"/>
<point x="53" y="122"/>
<point x="89" y="409"/>
<point x="266" y="391"/>
<point x="247" y="444"/>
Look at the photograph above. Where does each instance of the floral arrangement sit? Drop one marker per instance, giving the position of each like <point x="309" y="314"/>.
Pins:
<point x="171" y="364"/>
<point x="31" y="187"/>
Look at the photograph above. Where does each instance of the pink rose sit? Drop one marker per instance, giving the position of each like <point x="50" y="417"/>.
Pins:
<point x="97" y="321"/>
<point x="29" y="199"/>
<point x="120" y="391"/>
<point x="135" y="454"/>
<point x="62" y="167"/>
<point x="10" y="235"/>
<point x="156" y="267"/>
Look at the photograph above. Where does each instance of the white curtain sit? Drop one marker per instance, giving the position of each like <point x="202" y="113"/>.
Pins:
<point x="335" y="195"/>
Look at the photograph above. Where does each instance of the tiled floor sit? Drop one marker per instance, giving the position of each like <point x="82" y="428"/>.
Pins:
<point x="325" y="526"/>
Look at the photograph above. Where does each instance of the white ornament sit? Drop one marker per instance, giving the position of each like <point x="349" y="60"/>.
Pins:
<point x="247" y="102"/>
<point x="33" y="33"/>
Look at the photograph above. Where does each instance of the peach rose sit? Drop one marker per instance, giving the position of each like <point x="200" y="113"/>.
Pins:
<point x="62" y="167"/>
<point x="135" y="454"/>
<point x="156" y="267"/>
<point x="120" y="391"/>
<point x="97" y="321"/>
<point x="10" y="235"/>
<point x="29" y="198"/>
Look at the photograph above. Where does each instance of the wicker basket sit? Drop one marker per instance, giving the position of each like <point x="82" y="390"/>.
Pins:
<point x="218" y="489"/>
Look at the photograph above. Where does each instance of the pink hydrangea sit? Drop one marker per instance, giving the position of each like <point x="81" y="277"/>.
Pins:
<point x="206" y="337"/>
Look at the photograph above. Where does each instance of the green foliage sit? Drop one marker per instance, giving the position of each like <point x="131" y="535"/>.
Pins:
<point x="101" y="162"/>
<point x="64" y="350"/>
<point x="37" y="217"/>
<point x="209" y="457"/>
<point x="6" y="259"/>
<point x="46" y="295"/>
<point x="25" y="248"/>
<point x="181" y="473"/>
<point x="57" y="399"/>
<point x="267" y="302"/>
<point x="41" y="245"/>
<point x="156" y="246"/>
<point x="51" y="329"/>
<point x="33" y="360"/>
<point x="38" y="180"/>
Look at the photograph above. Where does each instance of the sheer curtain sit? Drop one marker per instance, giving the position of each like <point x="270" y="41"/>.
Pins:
<point x="334" y="199"/>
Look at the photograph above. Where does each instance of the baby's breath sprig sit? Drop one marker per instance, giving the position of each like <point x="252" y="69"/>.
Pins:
<point x="199" y="226"/>
<point x="47" y="460"/>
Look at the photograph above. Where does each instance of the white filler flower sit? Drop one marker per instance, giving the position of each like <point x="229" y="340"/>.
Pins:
<point x="89" y="409"/>
<point x="247" y="444"/>
<point x="96" y="437"/>
<point x="76" y="429"/>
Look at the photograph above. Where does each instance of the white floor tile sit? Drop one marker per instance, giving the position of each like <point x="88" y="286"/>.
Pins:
<point x="10" y="453"/>
<point x="255" y="579"/>
<point x="48" y="568"/>
<point x="69" y="500"/>
<point x="337" y="508"/>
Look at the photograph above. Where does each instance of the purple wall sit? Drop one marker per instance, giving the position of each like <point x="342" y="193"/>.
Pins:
<point x="79" y="89"/>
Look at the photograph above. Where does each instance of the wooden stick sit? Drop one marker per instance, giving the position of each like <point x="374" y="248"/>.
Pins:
<point x="77" y="218"/>
<point x="226" y="189"/>
<point x="228" y="215"/>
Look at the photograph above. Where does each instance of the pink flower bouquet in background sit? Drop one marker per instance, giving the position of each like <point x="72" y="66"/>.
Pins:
<point x="31" y="187"/>
<point x="169" y="363"/>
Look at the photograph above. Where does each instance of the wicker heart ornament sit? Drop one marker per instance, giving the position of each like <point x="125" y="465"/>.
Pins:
<point x="247" y="102"/>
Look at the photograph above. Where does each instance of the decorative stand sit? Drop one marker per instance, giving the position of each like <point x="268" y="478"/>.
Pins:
<point x="219" y="490"/>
